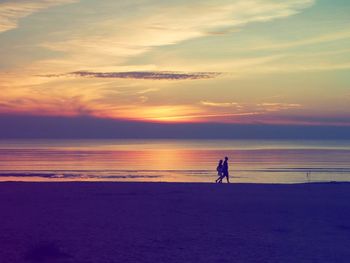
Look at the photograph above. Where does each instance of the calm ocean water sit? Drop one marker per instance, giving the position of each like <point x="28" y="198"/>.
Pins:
<point x="251" y="161"/>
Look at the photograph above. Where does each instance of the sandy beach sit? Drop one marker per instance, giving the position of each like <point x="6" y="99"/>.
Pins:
<point x="174" y="222"/>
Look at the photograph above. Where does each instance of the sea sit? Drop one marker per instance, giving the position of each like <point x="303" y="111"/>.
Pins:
<point x="139" y="160"/>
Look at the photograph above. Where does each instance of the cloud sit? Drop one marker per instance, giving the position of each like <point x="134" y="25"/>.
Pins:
<point x="74" y="106"/>
<point x="144" y="91"/>
<point x="277" y="106"/>
<point x="313" y="66"/>
<point x="158" y="24"/>
<point x="305" y="41"/>
<point x="220" y="104"/>
<point x="223" y="108"/>
<point x="306" y="119"/>
<point x="204" y="117"/>
<point x="11" y="11"/>
<point x="258" y="107"/>
<point x="155" y="75"/>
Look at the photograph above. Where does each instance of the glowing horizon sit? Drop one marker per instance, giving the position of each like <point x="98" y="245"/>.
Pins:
<point x="226" y="61"/>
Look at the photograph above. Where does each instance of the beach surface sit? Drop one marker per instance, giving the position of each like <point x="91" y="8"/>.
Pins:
<point x="174" y="222"/>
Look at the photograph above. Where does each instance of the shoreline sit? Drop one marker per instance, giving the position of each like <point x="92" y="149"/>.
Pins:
<point x="179" y="183"/>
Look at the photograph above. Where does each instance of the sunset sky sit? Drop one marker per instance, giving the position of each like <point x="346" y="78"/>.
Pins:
<point x="222" y="61"/>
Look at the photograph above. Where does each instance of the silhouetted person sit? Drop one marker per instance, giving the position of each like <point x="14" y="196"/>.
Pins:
<point x="225" y="170"/>
<point x="219" y="169"/>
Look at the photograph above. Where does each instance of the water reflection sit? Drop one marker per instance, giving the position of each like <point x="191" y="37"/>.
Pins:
<point x="180" y="161"/>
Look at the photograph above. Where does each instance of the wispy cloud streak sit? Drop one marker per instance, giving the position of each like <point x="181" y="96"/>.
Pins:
<point x="331" y="37"/>
<point x="13" y="10"/>
<point x="261" y="107"/>
<point x="148" y="75"/>
<point x="167" y="24"/>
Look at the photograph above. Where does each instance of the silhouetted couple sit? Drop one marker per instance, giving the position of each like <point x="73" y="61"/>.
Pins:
<point x="222" y="171"/>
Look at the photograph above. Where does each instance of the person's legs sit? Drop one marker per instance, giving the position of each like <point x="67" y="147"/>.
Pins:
<point x="221" y="176"/>
<point x="227" y="177"/>
<point x="220" y="179"/>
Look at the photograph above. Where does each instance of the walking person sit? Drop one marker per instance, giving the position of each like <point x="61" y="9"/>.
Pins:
<point x="219" y="170"/>
<point x="225" y="170"/>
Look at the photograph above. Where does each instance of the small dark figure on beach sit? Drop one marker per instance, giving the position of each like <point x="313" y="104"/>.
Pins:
<point x="308" y="173"/>
<point x="219" y="169"/>
<point x="223" y="171"/>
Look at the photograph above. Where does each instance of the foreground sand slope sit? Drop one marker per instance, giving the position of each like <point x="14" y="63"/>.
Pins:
<point x="162" y="222"/>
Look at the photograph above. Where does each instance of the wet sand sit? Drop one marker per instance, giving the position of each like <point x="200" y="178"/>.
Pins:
<point x="174" y="222"/>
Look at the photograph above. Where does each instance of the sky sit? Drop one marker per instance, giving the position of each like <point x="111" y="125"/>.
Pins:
<point x="239" y="62"/>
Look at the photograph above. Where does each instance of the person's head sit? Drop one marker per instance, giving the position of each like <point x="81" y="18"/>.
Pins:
<point x="220" y="162"/>
<point x="226" y="158"/>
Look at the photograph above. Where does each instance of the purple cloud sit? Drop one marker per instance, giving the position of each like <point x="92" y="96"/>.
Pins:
<point x="151" y="75"/>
